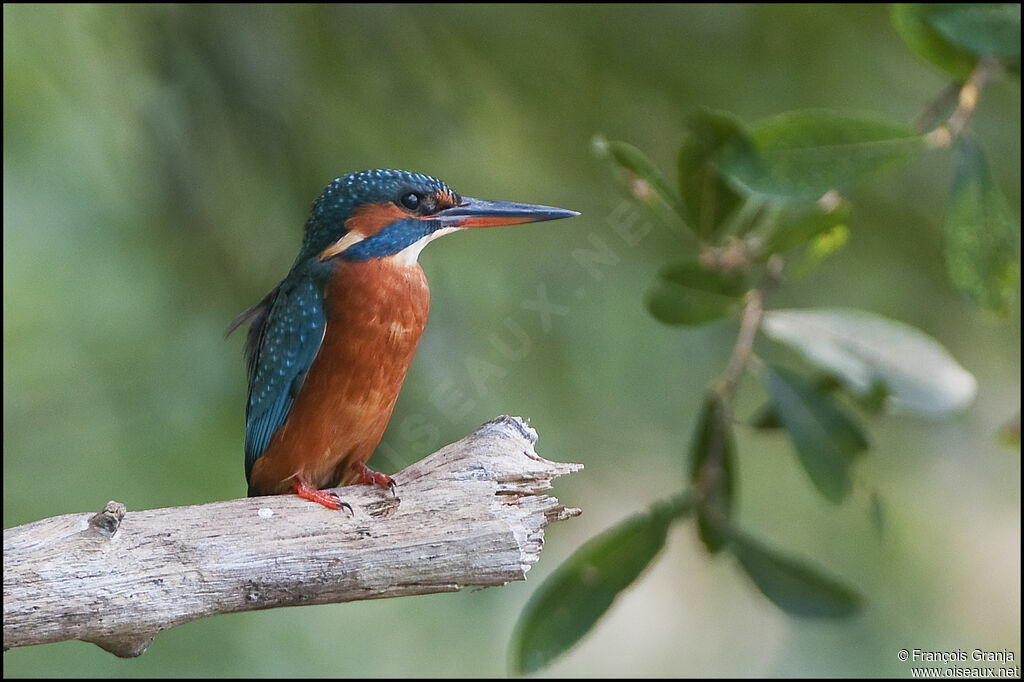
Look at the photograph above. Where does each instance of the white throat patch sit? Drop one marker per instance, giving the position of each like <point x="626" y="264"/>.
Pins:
<point x="409" y="255"/>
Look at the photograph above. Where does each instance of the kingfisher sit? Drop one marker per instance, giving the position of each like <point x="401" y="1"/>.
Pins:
<point x="328" y="348"/>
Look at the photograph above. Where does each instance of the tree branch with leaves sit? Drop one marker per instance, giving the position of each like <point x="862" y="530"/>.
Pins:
<point x="762" y="205"/>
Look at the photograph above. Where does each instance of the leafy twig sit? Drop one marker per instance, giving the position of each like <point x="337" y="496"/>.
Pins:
<point x="741" y="352"/>
<point x="967" y="102"/>
<point x="712" y="481"/>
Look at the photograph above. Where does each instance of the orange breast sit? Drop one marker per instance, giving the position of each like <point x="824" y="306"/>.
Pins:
<point x="376" y="311"/>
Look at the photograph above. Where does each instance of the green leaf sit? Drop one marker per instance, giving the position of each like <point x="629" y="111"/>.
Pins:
<point x="687" y="294"/>
<point x="794" y="587"/>
<point x="644" y="178"/>
<point x="983" y="29"/>
<point x="864" y="349"/>
<point x="766" y="418"/>
<point x="568" y="604"/>
<point x="825" y="438"/>
<point x="981" y="234"/>
<point x="708" y="197"/>
<point x="804" y="154"/>
<point x="712" y="463"/>
<point x="874" y="399"/>
<point x="807" y="225"/>
<point x="823" y="246"/>
<point x="911" y="22"/>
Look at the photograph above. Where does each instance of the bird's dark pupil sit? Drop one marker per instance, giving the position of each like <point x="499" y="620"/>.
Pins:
<point x="411" y="201"/>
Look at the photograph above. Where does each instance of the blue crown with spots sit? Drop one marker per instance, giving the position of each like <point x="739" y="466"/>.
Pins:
<point x="326" y="223"/>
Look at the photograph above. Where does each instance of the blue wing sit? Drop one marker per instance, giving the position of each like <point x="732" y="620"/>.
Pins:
<point x="287" y="330"/>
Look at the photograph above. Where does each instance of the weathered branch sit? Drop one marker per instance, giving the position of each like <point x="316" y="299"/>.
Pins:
<point x="468" y="515"/>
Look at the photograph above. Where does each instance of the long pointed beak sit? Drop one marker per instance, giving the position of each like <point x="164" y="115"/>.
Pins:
<point x="482" y="213"/>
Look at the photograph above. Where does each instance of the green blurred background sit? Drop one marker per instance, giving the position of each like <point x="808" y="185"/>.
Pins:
<point x="159" y="163"/>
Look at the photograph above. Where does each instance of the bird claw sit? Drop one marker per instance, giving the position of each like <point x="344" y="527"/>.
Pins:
<point x="370" y="477"/>
<point x="325" y="497"/>
<point x="341" y="503"/>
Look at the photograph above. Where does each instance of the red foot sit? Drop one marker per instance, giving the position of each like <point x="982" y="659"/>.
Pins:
<point x="371" y="477"/>
<point x="327" y="499"/>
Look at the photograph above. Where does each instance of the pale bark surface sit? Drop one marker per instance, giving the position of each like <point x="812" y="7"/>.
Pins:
<point x="471" y="514"/>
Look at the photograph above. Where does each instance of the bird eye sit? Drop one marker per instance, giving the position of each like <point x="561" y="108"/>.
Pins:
<point x="411" y="200"/>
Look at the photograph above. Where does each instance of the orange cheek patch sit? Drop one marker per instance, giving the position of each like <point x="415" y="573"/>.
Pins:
<point x="370" y="219"/>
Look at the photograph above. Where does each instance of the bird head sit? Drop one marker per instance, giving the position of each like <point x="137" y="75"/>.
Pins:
<point x="381" y="213"/>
